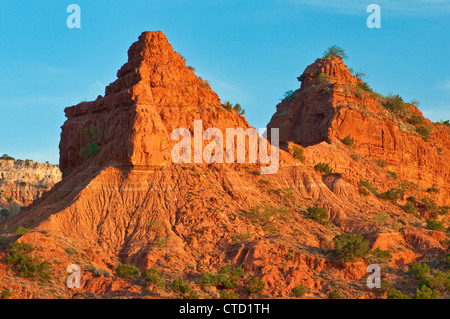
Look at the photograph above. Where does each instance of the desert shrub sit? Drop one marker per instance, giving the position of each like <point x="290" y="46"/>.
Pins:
<point x="440" y="281"/>
<point x="365" y="87"/>
<point x="444" y="210"/>
<point x="434" y="224"/>
<point x="154" y="276"/>
<point x="71" y="251"/>
<point x="369" y="187"/>
<point x="225" y="294"/>
<point x="433" y="189"/>
<point x="349" y="247"/>
<point x="446" y="122"/>
<point x="429" y="203"/>
<point x="255" y="285"/>
<point x="24" y="264"/>
<point x="393" y="194"/>
<point x="299" y="291"/>
<point x="288" y="95"/>
<point x="381" y="162"/>
<point x="6" y="157"/>
<point x="237" y="107"/>
<point x="410" y="208"/>
<point x="322" y="77"/>
<point x="424" y="131"/>
<point x="426" y="293"/>
<point x="415" y="119"/>
<point x="228" y="106"/>
<point x="364" y="191"/>
<point x="89" y="150"/>
<point x="348" y="140"/>
<point x="392" y="174"/>
<point x="226" y="278"/>
<point x="419" y="270"/>
<point x="22" y="230"/>
<point x="6" y="294"/>
<point x="324" y="168"/>
<point x="335" y="51"/>
<point x="180" y="287"/>
<point x="190" y="67"/>
<point x="5" y="213"/>
<point x="317" y="214"/>
<point x="335" y="294"/>
<point x="379" y="255"/>
<point x="394" y="293"/>
<point x="126" y="270"/>
<point x="395" y="104"/>
<point x="298" y="154"/>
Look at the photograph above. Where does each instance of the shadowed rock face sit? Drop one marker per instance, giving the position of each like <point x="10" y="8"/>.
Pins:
<point x="329" y="106"/>
<point x="131" y="204"/>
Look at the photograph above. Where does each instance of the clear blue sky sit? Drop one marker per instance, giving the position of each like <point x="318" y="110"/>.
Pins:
<point x="250" y="51"/>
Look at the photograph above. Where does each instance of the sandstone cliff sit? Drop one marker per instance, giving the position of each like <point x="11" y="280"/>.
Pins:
<point x="123" y="200"/>
<point x="22" y="182"/>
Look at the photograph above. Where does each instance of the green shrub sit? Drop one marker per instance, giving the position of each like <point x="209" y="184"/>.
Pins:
<point x="335" y="294"/>
<point x="395" y="104"/>
<point x="429" y="203"/>
<point x="365" y="87"/>
<point x="190" y="67"/>
<point x="434" y="224"/>
<point x="348" y="140"/>
<point x="424" y="131"/>
<point x="299" y="291"/>
<point x="396" y="294"/>
<point x="228" y="106"/>
<point x="298" y="154"/>
<point x="5" y="213"/>
<point x="433" y="189"/>
<point x="324" y="168"/>
<point x="126" y="270"/>
<point x="381" y="256"/>
<point x="426" y="293"/>
<point x="179" y="286"/>
<point x="364" y="191"/>
<point x="446" y="122"/>
<point x="288" y="95"/>
<point x="392" y="174"/>
<point x="22" y="230"/>
<point x="410" y="208"/>
<point x="322" y="77"/>
<point x="255" y="285"/>
<point x="440" y="281"/>
<point x="237" y="107"/>
<point x="349" y="247"/>
<point x="335" y="51"/>
<point x="24" y="264"/>
<point x="154" y="276"/>
<point x="225" y="294"/>
<point x="6" y="294"/>
<point x="317" y="214"/>
<point x="6" y="157"/>
<point x="226" y="278"/>
<point x="419" y="270"/>
<point x="393" y="194"/>
<point x="89" y="150"/>
<point x="369" y="187"/>
<point x="415" y="119"/>
<point x="381" y="162"/>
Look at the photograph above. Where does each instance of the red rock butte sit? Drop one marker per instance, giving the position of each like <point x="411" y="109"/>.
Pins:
<point x="129" y="203"/>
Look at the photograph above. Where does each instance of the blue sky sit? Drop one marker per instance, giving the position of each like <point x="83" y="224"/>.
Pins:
<point x="250" y="51"/>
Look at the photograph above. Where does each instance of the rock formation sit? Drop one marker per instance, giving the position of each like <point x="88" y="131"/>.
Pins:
<point x="124" y="201"/>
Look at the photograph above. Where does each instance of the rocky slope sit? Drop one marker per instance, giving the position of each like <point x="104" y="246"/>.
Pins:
<point x="124" y="201"/>
<point x="22" y="182"/>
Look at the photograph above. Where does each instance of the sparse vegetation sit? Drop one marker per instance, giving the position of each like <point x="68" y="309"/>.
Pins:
<point x="299" y="291"/>
<point x="323" y="168"/>
<point x="288" y="95"/>
<point x="255" y="285"/>
<point x="369" y="187"/>
<point x="395" y="104"/>
<point x="317" y="214"/>
<point x="348" y="140"/>
<point x="126" y="270"/>
<point x="26" y="265"/>
<point x="424" y="131"/>
<point x="298" y="154"/>
<point x="392" y="174"/>
<point x="335" y="294"/>
<point x="22" y="230"/>
<point x="419" y="270"/>
<point x="394" y="293"/>
<point x="380" y="256"/>
<point x="6" y="157"/>
<point x="348" y="247"/>
<point x="155" y="277"/>
<point x="335" y="51"/>
<point x="6" y="294"/>
<point x="434" y="224"/>
<point x="381" y="162"/>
